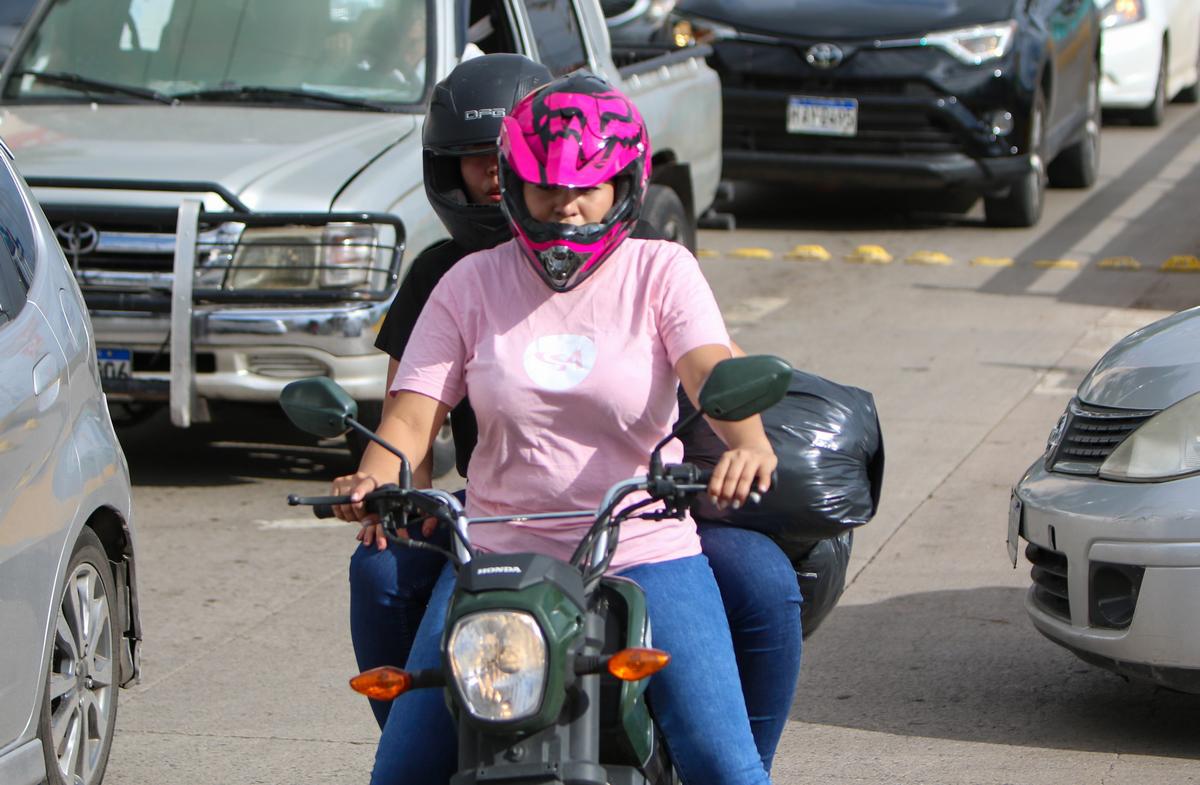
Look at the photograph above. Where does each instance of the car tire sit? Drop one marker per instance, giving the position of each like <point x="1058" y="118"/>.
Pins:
<point x="664" y="211"/>
<point x="1191" y="93"/>
<point x="1022" y="205"/>
<point x="1153" y="113"/>
<point x="1078" y="165"/>
<point x="79" y="708"/>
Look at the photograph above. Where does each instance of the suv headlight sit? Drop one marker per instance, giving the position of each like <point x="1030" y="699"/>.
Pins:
<point x="975" y="45"/>
<point x="499" y="663"/>
<point x="1116" y="13"/>
<point x="1165" y="447"/>
<point x="334" y="256"/>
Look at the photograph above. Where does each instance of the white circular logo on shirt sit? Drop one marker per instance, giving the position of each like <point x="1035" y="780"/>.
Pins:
<point x="560" y="362"/>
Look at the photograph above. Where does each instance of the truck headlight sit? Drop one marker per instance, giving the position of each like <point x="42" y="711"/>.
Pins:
<point x="1165" y="447"/>
<point x="692" y="30"/>
<point x="499" y="663"/>
<point x="975" y="45"/>
<point x="1116" y="13"/>
<point x="334" y="256"/>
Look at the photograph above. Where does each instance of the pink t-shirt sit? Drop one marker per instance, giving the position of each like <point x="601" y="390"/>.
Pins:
<point x="572" y="390"/>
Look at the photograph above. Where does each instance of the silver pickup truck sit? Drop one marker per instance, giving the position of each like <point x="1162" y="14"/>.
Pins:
<point x="237" y="184"/>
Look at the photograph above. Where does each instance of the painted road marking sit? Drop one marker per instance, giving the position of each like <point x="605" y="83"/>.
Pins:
<point x="707" y="253"/>
<point x="751" y="310"/>
<point x="992" y="261"/>
<point x="929" y="258"/>
<point x="752" y="253"/>
<point x="870" y="254"/>
<point x="1057" y="264"/>
<point x="288" y="524"/>
<point x="809" y="253"/>
<point x="1182" y="264"/>
<point x="1119" y="263"/>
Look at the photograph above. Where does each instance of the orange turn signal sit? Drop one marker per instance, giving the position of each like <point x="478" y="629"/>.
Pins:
<point x="635" y="664"/>
<point x="382" y="684"/>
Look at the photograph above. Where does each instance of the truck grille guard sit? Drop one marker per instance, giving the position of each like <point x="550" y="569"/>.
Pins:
<point x="204" y="262"/>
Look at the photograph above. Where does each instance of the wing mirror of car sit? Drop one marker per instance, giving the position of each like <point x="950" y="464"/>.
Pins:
<point x="744" y="386"/>
<point x="318" y="406"/>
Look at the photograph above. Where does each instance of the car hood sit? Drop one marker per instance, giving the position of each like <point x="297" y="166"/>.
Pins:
<point x="272" y="158"/>
<point x="1150" y="369"/>
<point x="850" y="19"/>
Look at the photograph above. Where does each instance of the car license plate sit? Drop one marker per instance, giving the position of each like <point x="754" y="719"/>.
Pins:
<point x="115" y="363"/>
<point x="822" y="116"/>
<point x="1014" y="527"/>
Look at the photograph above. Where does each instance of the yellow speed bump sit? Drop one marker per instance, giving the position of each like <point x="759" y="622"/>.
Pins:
<point x="1057" y="264"/>
<point x="808" y="253"/>
<point x="1120" y="263"/>
<point x="870" y="254"/>
<point x="992" y="261"/>
<point x="707" y="253"/>
<point x="752" y="253"/>
<point x="1182" y="264"/>
<point x="929" y="257"/>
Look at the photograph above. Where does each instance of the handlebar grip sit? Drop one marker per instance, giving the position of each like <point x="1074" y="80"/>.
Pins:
<point x="323" y="510"/>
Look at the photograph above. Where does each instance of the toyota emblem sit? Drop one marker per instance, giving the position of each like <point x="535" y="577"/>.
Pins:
<point x="824" y="56"/>
<point x="77" y="237"/>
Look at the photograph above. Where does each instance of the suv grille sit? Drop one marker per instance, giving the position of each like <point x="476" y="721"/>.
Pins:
<point x="1049" y="575"/>
<point x="756" y="120"/>
<point x="1090" y="434"/>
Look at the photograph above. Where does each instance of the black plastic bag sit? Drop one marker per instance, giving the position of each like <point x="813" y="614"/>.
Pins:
<point x="821" y="573"/>
<point x="830" y="475"/>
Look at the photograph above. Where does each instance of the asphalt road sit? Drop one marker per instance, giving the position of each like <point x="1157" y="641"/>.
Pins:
<point x="927" y="672"/>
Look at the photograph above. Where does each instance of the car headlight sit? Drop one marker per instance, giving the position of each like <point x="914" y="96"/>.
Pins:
<point x="691" y="30"/>
<point x="334" y="256"/>
<point x="499" y="663"/>
<point x="1164" y="447"/>
<point x="975" y="45"/>
<point x="1116" y="13"/>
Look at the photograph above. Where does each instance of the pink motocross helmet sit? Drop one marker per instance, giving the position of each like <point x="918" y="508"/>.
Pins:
<point x="576" y="132"/>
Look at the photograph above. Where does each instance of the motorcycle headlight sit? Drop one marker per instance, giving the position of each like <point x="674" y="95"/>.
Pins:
<point x="499" y="662"/>
<point x="975" y="45"/>
<point x="335" y="256"/>
<point x="1165" y="447"/>
<point x="1116" y="13"/>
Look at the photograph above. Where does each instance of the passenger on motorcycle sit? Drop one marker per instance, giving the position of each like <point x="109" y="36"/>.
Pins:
<point x="570" y="339"/>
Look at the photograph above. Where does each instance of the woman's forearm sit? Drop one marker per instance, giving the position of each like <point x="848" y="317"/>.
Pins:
<point x="408" y="425"/>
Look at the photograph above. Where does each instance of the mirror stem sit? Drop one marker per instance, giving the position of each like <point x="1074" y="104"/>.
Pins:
<point x="656" y="464"/>
<point x="405" y="466"/>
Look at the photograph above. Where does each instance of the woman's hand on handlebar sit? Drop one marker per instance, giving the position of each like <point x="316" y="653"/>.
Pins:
<point x="357" y="486"/>
<point x="741" y="471"/>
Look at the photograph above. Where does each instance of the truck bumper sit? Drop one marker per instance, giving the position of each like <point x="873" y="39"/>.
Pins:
<point x="249" y="354"/>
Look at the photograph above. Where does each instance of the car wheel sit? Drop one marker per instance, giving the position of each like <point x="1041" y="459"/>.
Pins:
<point x="1191" y="93"/>
<point x="665" y="212"/>
<point x="1078" y="165"/>
<point x="1022" y="205"/>
<point x="80" y="705"/>
<point x="1152" y="115"/>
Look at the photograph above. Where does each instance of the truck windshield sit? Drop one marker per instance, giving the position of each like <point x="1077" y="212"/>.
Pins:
<point x="300" y="52"/>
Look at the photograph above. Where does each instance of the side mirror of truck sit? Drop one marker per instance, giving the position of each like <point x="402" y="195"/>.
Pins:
<point x="318" y="406"/>
<point x="744" y="386"/>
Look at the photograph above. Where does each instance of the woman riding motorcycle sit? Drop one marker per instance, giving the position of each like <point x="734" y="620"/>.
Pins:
<point x="572" y="205"/>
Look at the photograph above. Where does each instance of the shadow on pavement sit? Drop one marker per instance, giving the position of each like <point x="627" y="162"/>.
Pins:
<point x="967" y="665"/>
<point x="245" y="444"/>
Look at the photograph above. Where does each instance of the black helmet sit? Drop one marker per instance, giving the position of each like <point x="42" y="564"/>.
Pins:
<point x="464" y="116"/>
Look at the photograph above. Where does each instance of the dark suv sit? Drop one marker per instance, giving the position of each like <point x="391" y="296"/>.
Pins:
<point x="987" y="97"/>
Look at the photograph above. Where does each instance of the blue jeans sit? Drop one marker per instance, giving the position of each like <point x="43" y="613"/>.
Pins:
<point x="696" y="700"/>
<point x="389" y="591"/>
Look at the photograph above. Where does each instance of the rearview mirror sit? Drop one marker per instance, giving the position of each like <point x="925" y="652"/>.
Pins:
<point x="318" y="406"/>
<point x="744" y="386"/>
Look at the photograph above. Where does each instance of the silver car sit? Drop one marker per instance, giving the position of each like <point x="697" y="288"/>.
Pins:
<point x="1111" y="512"/>
<point x="69" y="626"/>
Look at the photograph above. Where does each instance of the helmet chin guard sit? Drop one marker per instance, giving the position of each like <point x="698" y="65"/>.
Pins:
<point x="577" y="132"/>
